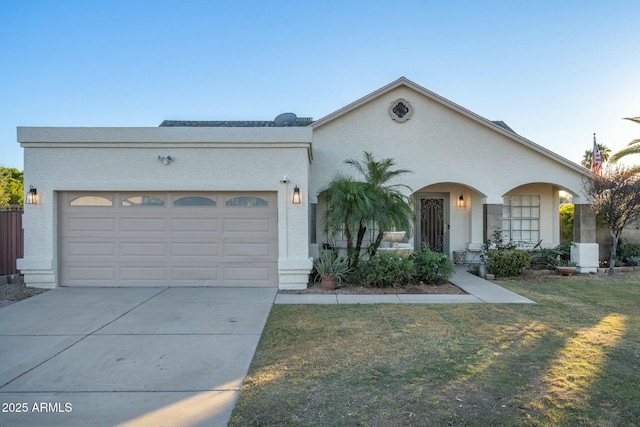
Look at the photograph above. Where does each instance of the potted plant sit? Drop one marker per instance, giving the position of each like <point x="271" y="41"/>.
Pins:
<point x="566" y="267"/>
<point x="331" y="270"/>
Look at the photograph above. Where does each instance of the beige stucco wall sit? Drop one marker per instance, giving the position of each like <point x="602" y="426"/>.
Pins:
<point x="437" y="144"/>
<point x="210" y="159"/>
<point x="447" y="152"/>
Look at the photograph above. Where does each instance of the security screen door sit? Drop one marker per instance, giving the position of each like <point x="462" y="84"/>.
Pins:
<point x="433" y="222"/>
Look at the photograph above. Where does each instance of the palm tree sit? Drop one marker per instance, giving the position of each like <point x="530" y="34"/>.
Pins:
<point x="393" y="209"/>
<point x="604" y="155"/>
<point x="632" y="148"/>
<point x="354" y="205"/>
<point x="349" y="207"/>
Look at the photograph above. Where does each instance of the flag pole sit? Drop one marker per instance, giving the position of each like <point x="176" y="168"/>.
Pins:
<point x="596" y="158"/>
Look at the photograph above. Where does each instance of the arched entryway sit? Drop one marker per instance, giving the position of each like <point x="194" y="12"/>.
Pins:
<point x="448" y="217"/>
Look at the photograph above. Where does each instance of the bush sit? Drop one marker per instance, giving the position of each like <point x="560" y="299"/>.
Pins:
<point x="631" y="249"/>
<point x="384" y="270"/>
<point x="388" y="270"/>
<point x="431" y="267"/>
<point x="548" y="258"/>
<point x="330" y="264"/>
<point x="628" y="254"/>
<point x="507" y="262"/>
<point x="566" y="222"/>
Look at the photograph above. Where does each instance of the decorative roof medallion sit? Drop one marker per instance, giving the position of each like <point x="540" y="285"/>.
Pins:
<point x="400" y="110"/>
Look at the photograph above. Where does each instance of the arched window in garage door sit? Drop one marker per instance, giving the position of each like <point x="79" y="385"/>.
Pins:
<point x="247" y="201"/>
<point x="91" y="201"/>
<point x="194" y="201"/>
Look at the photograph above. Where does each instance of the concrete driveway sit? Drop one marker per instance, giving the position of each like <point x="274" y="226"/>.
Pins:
<point x="128" y="357"/>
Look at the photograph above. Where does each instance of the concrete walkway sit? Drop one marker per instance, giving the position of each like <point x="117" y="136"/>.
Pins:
<point x="479" y="291"/>
<point x="128" y="356"/>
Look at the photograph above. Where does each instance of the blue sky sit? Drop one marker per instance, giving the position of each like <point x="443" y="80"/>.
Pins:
<point x="555" y="71"/>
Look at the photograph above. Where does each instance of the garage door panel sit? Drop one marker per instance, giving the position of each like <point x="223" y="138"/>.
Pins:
<point x="145" y="224"/>
<point x="194" y="273"/>
<point x="244" y="273"/>
<point x="82" y="273"/>
<point x="194" y="249"/>
<point x="143" y="249"/>
<point x="194" y="225"/>
<point x="144" y="272"/>
<point x="89" y="225"/>
<point x="247" y="225"/>
<point x="90" y="249"/>
<point x="193" y="239"/>
<point x="248" y="249"/>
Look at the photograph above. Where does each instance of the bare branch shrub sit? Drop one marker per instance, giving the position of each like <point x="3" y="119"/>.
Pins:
<point x="615" y="198"/>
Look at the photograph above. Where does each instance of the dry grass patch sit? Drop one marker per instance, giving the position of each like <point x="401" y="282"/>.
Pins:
<point x="572" y="359"/>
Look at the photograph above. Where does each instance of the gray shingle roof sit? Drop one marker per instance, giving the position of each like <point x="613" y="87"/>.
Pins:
<point x="300" y="121"/>
<point x="503" y="125"/>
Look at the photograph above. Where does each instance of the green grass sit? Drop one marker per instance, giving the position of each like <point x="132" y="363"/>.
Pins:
<point x="573" y="359"/>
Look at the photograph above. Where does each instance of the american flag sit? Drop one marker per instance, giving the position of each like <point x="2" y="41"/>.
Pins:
<point x="596" y="160"/>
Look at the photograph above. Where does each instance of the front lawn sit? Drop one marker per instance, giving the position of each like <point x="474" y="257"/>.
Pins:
<point x="573" y="359"/>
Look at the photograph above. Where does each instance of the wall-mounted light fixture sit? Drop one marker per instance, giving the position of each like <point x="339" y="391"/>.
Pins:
<point x="32" y="196"/>
<point x="461" y="202"/>
<point x="166" y="160"/>
<point x="296" y="196"/>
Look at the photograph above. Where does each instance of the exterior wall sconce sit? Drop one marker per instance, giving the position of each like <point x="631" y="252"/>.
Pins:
<point x="166" y="160"/>
<point x="461" y="202"/>
<point x="32" y="196"/>
<point x="296" y="196"/>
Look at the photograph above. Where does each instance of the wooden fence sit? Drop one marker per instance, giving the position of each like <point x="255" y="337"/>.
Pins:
<point x="11" y="238"/>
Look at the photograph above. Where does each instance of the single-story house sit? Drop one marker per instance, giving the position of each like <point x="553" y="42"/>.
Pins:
<point x="211" y="203"/>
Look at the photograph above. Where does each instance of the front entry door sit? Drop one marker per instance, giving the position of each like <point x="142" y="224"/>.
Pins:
<point x="433" y="222"/>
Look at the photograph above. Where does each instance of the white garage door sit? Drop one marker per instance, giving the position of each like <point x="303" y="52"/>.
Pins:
<point x="168" y="239"/>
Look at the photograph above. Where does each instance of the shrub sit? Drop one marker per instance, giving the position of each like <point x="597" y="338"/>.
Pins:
<point x="631" y="249"/>
<point x="548" y="258"/>
<point x="566" y="222"/>
<point x="507" y="262"/>
<point x="330" y="264"/>
<point x="431" y="267"/>
<point x="384" y="270"/>
<point x="628" y="254"/>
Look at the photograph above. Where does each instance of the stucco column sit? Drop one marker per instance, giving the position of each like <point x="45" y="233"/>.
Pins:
<point x="492" y="219"/>
<point x="294" y="263"/>
<point x="584" y="224"/>
<point x="584" y="250"/>
<point x="39" y="263"/>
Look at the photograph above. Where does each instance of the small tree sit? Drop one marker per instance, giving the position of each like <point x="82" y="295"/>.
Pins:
<point x="615" y="197"/>
<point x="392" y="209"/>
<point x="353" y="206"/>
<point x="11" y="186"/>
<point x="349" y="209"/>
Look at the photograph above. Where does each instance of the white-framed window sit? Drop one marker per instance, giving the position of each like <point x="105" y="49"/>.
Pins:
<point x="521" y="219"/>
